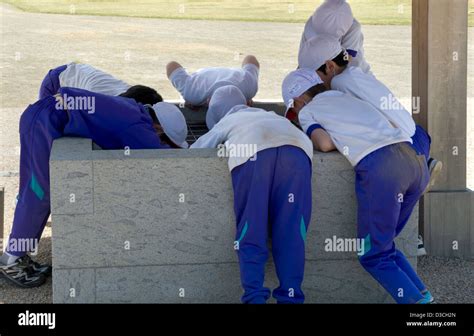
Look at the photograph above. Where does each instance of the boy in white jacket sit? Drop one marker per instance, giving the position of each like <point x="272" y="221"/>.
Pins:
<point x="332" y="64"/>
<point x="86" y="77"/>
<point x="390" y="177"/>
<point x="270" y="164"/>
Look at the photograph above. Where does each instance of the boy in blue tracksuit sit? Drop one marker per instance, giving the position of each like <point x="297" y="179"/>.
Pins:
<point x="390" y="176"/>
<point x="270" y="164"/>
<point x="111" y="122"/>
<point x="86" y="77"/>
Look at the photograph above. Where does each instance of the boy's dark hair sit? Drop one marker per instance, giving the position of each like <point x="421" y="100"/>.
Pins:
<point x="143" y="94"/>
<point x="315" y="90"/>
<point x="152" y="114"/>
<point x="163" y="137"/>
<point x="342" y="60"/>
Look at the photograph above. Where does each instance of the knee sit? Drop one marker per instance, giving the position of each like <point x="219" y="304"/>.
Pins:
<point x="171" y="67"/>
<point x="366" y="262"/>
<point x="25" y="120"/>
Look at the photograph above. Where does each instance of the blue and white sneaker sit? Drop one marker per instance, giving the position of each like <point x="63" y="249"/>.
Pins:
<point x="428" y="297"/>
<point x="45" y="269"/>
<point x="24" y="272"/>
<point x="421" y="247"/>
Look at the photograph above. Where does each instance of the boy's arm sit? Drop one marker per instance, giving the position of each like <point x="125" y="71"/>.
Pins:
<point x="322" y="141"/>
<point x="319" y="136"/>
<point x="211" y="139"/>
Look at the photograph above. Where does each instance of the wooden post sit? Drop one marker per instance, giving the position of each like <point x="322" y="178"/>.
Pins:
<point x="440" y="82"/>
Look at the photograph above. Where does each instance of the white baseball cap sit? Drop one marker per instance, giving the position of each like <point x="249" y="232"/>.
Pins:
<point x="173" y="122"/>
<point x="317" y="50"/>
<point x="222" y="101"/>
<point x="298" y="82"/>
<point x="333" y="17"/>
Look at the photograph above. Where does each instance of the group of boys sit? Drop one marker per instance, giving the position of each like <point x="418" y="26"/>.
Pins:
<point x="333" y="102"/>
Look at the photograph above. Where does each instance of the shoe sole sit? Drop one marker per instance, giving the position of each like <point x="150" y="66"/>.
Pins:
<point x="34" y="284"/>
<point x="421" y="252"/>
<point x="434" y="174"/>
<point x="48" y="272"/>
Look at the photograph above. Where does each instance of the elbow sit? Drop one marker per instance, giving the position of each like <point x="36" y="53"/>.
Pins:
<point x="325" y="146"/>
<point x="325" y="149"/>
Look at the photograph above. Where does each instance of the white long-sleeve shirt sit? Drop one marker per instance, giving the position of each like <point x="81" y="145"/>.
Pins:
<point x="245" y="131"/>
<point x="86" y="77"/>
<point x="356" y="127"/>
<point x="369" y="89"/>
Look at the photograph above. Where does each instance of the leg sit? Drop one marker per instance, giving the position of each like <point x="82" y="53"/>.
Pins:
<point x="422" y="145"/>
<point x="382" y="179"/>
<point x="252" y="183"/>
<point x="50" y="84"/>
<point x="40" y="125"/>
<point x="409" y="203"/>
<point x="249" y="86"/>
<point x="290" y="215"/>
<point x="422" y="142"/>
<point x="171" y="67"/>
<point x="250" y="59"/>
<point x="180" y="79"/>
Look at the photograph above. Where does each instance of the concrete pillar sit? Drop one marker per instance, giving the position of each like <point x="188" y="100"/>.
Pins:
<point x="440" y="82"/>
<point x="2" y="211"/>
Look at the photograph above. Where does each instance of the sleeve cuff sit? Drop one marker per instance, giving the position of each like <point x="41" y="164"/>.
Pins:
<point x="312" y="128"/>
<point x="351" y="52"/>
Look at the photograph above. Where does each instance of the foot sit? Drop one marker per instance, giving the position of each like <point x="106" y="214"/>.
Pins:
<point x="435" y="168"/>
<point x="22" y="273"/>
<point x="45" y="269"/>
<point x="428" y="297"/>
<point x="421" y="247"/>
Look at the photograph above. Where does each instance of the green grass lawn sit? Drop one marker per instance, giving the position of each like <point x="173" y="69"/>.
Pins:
<point x="367" y="11"/>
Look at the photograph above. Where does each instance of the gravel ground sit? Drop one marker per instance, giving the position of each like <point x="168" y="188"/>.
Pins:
<point x="137" y="51"/>
<point x="449" y="280"/>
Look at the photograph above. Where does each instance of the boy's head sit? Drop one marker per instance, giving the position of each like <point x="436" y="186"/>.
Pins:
<point x="143" y="94"/>
<point x="298" y="89"/>
<point x="333" y="67"/>
<point x="325" y="55"/>
<point x="170" y="124"/>
<point x="221" y="102"/>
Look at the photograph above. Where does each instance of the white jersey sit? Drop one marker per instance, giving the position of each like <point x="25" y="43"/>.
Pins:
<point x="245" y="131"/>
<point x="198" y="87"/>
<point x="86" y="77"/>
<point x="352" y="40"/>
<point x="356" y="128"/>
<point x="369" y="89"/>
